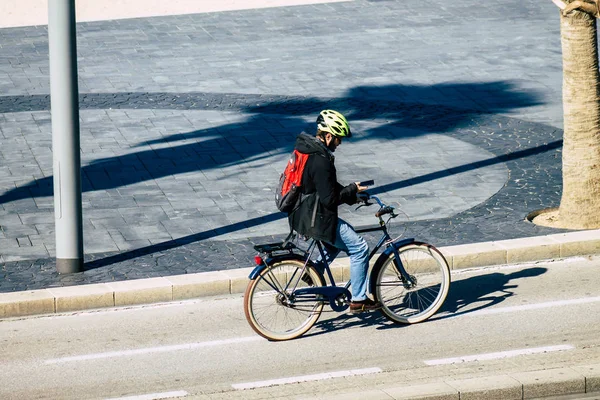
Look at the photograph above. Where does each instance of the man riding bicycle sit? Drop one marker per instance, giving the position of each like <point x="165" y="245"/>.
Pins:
<point x="317" y="214"/>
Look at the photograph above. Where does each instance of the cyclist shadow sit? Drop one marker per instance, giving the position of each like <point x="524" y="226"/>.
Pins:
<point x="482" y="291"/>
<point x="465" y="296"/>
<point x="347" y="320"/>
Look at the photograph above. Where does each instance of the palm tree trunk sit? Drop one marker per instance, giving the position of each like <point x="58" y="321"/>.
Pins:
<point x="580" y="202"/>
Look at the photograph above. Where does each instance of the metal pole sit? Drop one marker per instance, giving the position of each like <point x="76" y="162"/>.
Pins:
<point x="64" y="94"/>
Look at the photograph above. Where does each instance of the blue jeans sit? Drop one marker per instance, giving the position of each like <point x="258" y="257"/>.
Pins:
<point x="356" y="247"/>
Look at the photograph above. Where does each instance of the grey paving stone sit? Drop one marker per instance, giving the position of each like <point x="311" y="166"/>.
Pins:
<point x="24" y="253"/>
<point x="99" y="241"/>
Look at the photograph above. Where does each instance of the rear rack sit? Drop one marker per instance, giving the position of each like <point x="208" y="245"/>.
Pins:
<point x="287" y="246"/>
<point x="273" y="247"/>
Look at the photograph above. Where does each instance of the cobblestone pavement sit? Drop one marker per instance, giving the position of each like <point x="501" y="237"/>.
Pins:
<point x="187" y="121"/>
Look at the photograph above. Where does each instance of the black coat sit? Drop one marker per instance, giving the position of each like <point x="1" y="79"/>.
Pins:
<point x="317" y="215"/>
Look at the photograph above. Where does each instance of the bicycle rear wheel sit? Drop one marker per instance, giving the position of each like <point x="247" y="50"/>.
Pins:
<point x="406" y="304"/>
<point x="271" y="307"/>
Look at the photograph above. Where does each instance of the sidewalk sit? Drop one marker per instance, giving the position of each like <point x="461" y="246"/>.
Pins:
<point x="187" y="120"/>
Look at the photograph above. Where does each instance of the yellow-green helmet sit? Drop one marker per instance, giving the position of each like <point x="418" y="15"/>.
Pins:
<point x="334" y="123"/>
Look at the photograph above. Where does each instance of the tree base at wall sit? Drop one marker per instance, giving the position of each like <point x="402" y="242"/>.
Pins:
<point x="550" y="217"/>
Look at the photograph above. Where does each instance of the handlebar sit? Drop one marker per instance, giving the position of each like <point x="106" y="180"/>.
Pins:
<point x="383" y="208"/>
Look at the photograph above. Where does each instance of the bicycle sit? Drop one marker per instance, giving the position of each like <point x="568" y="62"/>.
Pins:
<point x="287" y="292"/>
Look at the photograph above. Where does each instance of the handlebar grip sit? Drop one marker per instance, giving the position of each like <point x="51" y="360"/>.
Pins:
<point x="383" y="211"/>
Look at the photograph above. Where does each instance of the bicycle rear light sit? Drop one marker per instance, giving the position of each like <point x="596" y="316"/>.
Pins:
<point x="258" y="260"/>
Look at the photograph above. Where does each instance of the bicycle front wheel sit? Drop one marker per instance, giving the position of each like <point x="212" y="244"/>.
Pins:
<point x="271" y="306"/>
<point x="407" y="303"/>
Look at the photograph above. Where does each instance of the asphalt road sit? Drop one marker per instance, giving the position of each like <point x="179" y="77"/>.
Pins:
<point x="496" y="321"/>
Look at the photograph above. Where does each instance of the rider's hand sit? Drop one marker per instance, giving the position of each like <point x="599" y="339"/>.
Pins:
<point x="360" y="188"/>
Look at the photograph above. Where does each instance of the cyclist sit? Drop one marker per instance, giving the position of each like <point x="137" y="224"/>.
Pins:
<point x="317" y="214"/>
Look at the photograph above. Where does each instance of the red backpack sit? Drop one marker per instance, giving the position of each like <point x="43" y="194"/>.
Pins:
<point x="287" y="195"/>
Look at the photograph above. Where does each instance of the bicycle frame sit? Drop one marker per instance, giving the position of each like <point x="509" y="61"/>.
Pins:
<point x="332" y="292"/>
<point x="391" y="247"/>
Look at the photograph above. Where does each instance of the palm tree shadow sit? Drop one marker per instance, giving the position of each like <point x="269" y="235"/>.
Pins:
<point x="280" y="119"/>
<point x="429" y="107"/>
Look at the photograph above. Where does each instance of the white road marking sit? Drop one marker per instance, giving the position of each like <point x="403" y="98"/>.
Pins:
<point x="148" y="350"/>
<point x="535" y="306"/>
<point x="499" y="355"/>
<point x="154" y="396"/>
<point x="306" y="378"/>
<point x="556" y="263"/>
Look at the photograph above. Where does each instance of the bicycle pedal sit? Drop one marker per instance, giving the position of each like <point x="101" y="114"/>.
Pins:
<point x="308" y="280"/>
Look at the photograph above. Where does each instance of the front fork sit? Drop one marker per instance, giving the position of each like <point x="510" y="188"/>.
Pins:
<point x="408" y="280"/>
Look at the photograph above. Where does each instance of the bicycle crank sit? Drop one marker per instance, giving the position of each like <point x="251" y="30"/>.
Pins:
<point x="340" y="302"/>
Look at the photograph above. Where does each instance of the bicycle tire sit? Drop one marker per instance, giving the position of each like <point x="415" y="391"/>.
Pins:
<point x="412" y="305"/>
<point x="267" y="310"/>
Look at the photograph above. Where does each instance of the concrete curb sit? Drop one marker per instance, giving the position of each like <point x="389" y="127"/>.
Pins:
<point x="526" y="385"/>
<point x="181" y="287"/>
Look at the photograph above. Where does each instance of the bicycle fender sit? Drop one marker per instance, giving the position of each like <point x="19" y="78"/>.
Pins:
<point x="402" y="242"/>
<point x="390" y="250"/>
<point x="272" y="260"/>
<point x="256" y="271"/>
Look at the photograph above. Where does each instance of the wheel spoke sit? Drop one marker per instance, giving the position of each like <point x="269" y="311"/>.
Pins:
<point x="431" y="275"/>
<point x="271" y="311"/>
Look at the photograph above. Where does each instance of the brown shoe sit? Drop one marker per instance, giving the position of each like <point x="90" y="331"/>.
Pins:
<point x="364" y="305"/>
